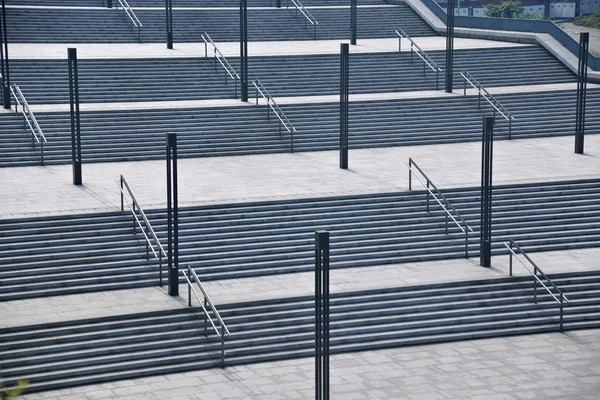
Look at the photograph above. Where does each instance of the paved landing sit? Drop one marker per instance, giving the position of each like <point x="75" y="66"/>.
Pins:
<point x="547" y="366"/>
<point x="232" y="49"/>
<point x="93" y="305"/>
<point x="424" y="94"/>
<point x="29" y="191"/>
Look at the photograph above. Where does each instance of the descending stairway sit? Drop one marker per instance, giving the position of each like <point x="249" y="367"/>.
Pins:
<point x="72" y="353"/>
<point x="38" y="25"/>
<point x="110" y="136"/>
<point x="46" y="81"/>
<point x="186" y="3"/>
<point x="92" y="252"/>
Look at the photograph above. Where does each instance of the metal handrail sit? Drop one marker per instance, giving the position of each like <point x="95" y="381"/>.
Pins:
<point x="207" y="302"/>
<point x="272" y="104"/>
<point x="229" y="70"/>
<point x="446" y="206"/>
<point x="307" y="15"/>
<point x="490" y="99"/>
<point x="511" y="243"/>
<point x="148" y="232"/>
<point x="135" y="22"/>
<point x="427" y="61"/>
<point x="29" y="118"/>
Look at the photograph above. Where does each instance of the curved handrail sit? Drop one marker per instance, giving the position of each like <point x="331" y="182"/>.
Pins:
<point x="123" y="185"/>
<point x="135" y="22"/>
<point x="490" y="99"/>
<point x="221" y="58"/>
<point x="191" y="275"/>
<point x="511" y="243"/>
<point x="447" y="207"/>
<point x="272" y="104"/>
<point x="428" y="61"/>
<point x="29" y="118"/>
<point x="420" y="52"/>
<point x="307" y="15"/>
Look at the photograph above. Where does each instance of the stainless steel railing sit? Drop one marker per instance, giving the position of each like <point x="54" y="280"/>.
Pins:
<point x="444" y="203"/>
<point x="561" y="299"/>
<point x="308" y="17"/>
<point x="414" y="48"/>
<point x="206" y="303"/>
<point x="133" y="19"/>
<point x="152" y="242"/>
<point x="229" y="70"/>
<point x="272" y="105"/>
<point x="482" y="92"/>
<point x="37" y="136"/>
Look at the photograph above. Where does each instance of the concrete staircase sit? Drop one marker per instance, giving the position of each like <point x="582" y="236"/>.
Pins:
<point x="186" y="3"/>
<point x="37" y="25"/>
<point x="46" y="81"/>
<point x="72" y="353"/>
<point x="95" y="252"/>
<point x="111" y="136"/>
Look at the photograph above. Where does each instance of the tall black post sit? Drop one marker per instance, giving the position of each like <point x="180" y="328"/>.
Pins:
<point x="109" y="4"/>
<point x="449" y="45"/>
<point x="169" y="15"/>
<point x="4" y="60"/>
<point x="172" y="215"/>
<point x="75" y="120"/>
<point x="344" y="103"/>
<point x="278" y="4"/>
<point x="353" y="7"/>
<point x="322" y="315"/>
<point x="244" y="49"/>
<point x="577" y="7"/>
<point x="486" y="192"/>
<point x="584" y="41"/>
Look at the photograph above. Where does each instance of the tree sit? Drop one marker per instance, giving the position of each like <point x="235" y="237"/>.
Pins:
<point x="506" y="9"/>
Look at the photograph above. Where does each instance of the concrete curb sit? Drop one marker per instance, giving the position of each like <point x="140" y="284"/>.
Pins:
<point x="545" y="40"/>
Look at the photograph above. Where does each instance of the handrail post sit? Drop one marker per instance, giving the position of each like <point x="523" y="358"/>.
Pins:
<point x="479" y="98"/>
<point x="410" y="174"/>
<point x="205" y="317"/>
<point x="561" y="311"/>
<point x="160" y="279"/>
<point x="42" y="150"/>
<point x="535" y="284"/>
<point x="510" y="260"/>
<point x="147" y="244"/>
<point x="134" y="230"/>
<point x="437" y="79"/>
<point x="222" y="347"/>
<point x="465" y="86"/>
<point x="466" y="242"/>
<point x="411" y="52"/>
<point x="428" y="195"/>
<point x="292" y="139"/>
<point x="122" y="193"/>
<point x="189" y="286"/>
<point x="205" y="48"/>
<point x="509" y="127"/>
<point x="446" y="220"/>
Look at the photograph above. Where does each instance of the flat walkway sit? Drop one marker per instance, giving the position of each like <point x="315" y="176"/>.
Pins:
<point x="120" y="302"/>
<point x="541" y="367"/>
<point x="232" y="49"/>
<point x="424" y="94"/>
<point x="30" y="191"/>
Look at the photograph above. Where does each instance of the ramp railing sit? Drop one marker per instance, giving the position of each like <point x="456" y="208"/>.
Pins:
<point x="37" y="136"/>
<point x="133" y="19"/>
<point x="560" y="300"/>
<point x="272" y="105"/>
<point x="206" y="304"/>
<point x="229" y="70"/>
<point x="140" y="220"/>
<point x="414" y="48"/>
<point x="308" y="17"/>
<point x="413" y="169"/>
<point x="482" y="92"/>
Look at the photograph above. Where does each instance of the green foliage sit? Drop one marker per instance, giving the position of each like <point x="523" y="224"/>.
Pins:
<point x="532" y="16"/>
<point x="506" y="9"/>
<point x="6" y="393"/>
<point x="590" y="21"/>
